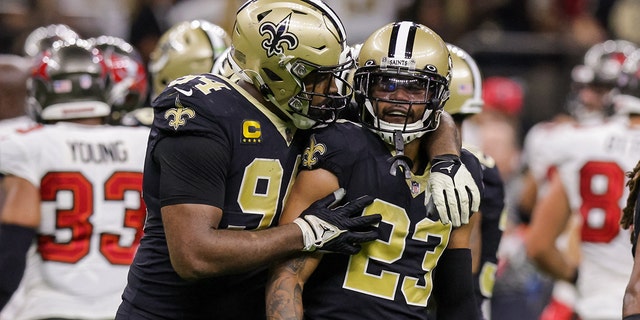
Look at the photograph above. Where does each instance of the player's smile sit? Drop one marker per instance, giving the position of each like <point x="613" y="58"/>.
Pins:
<point x="398" y="114"/>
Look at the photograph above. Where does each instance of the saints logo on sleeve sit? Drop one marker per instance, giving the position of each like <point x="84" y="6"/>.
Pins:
<point x="312" y="152"/>
<point x="185" y="104"/>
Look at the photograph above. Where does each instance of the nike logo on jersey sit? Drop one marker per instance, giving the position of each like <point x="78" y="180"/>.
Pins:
<point x="449" y="168"/>
<point x="186" y="93"/>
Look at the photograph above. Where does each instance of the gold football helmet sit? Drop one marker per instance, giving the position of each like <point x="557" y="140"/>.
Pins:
<point x="189" y="47"/>
<point x="293" y="52"/>
<point x="223" y="67"/>
<point x="411" y="53"/>
<point x="465" y="86"/>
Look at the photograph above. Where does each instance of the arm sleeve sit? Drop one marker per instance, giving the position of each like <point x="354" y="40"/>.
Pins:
<point x="453" y="286"/>
<point x="193" y="169"/>
<point x="14" y="244"/>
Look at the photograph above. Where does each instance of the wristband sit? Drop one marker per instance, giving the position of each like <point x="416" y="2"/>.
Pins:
<point x="632" y="317"/>
<point x="445" y="157"/>
<point x="308" y="236"/>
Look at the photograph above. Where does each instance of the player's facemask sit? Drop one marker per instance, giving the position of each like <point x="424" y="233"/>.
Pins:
<point x="325" y="92"/>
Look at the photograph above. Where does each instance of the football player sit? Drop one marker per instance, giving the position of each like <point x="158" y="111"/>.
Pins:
<point x="73" y="193"/>
<point x="589" y="184"/>
<point x="590" y="103"/>
<point x="401" y="86"/>
<point x="466" y="100"/>
<point x="221" y="158"/>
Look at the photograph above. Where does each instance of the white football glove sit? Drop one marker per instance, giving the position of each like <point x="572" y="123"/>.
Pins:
<point x="453" y="190"/>
<point x="337" y="229"/>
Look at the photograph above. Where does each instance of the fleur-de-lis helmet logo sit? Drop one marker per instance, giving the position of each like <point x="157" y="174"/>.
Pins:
<point x="278" y="35"/>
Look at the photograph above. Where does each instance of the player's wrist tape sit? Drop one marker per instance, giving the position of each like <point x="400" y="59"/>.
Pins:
<point x="632" y="317"/>
<point x="308" y="236"/>
<point x="445" y="157"/>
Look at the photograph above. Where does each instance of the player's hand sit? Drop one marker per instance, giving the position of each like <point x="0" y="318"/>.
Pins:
<point x="455" y="193"/>
<point x="338" y="229"/>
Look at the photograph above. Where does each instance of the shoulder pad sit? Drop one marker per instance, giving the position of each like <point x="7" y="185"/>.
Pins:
<point x="191" y="102"/>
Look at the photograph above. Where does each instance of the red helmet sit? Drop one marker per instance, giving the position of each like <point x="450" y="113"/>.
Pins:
<point x="127" y="74"/>
<point x="69" y="81"/>
<point x="43" y="37"/>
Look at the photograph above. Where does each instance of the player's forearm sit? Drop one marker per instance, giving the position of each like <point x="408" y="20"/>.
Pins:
<point x="453" y="286"/>
<point x="631" y="300"/>
<point x="552" y="262"/>
<point x="284" y="291"/>
<point x="445" y="139"/>
<point x="14" y="244"/>
<point x="223" y="252"/>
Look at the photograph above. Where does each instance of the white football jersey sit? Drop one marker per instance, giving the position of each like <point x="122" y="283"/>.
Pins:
<point x="8" y="126"/>
<point x="92" y="214"/>
<point x="592" y="167"/>
<point x="540" y="149"/>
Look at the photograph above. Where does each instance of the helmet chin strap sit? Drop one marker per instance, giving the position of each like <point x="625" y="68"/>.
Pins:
<point x="400" y="160"/>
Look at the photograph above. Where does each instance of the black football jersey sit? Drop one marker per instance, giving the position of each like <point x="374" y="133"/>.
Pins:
<point x="223" y="148"/>
<point x="492" y="206"/>
<point x="390" y="278"/>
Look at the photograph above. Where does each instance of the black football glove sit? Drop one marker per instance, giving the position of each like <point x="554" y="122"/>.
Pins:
<point x="455" y="193"/>
<point x="337" y="229"/>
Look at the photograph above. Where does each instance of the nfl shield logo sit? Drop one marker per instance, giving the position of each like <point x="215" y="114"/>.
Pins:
<point x="415" y="187"/>
<point x="85" y="81"/>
